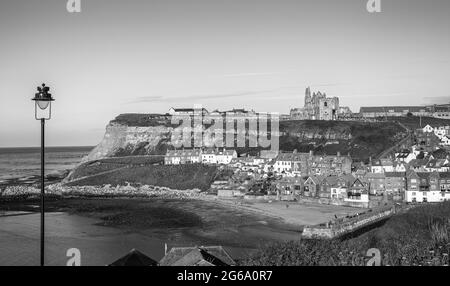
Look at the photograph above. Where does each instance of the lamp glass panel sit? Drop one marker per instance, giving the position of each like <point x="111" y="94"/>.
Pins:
<point x="43" y="104"/>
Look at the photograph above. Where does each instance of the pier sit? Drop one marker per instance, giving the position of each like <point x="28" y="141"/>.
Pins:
<point x="345" y="226"/>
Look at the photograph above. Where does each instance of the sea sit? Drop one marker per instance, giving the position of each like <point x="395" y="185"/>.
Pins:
<point x="23" y="163"/>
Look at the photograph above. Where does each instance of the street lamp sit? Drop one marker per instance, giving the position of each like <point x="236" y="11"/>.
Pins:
<point x="42" y="111"/>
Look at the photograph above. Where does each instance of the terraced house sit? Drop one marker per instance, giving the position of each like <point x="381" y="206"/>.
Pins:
<point x="218" y="156"/>
<point x="312" y="186"/>
<point x="444" y="185"/>
<point x="289" y="188"/>
<point x="327" y="165"/>
<point x="340" y="189"/>
<point x="293" y="162"/>
<point x="376" y="182"/>
<point x="305" y="164"/>
<point x="358" y="192"/>
<point x="427" y="187"/>
<point x="191" y="156"/>
<point x="395" y="182"/>
<point x="184" y="156"/>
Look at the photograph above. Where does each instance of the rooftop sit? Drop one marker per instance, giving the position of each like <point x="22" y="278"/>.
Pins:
<point x="197" y="255"/>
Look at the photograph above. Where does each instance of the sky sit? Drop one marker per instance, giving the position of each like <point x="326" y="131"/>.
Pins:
<point x="145" y="56"/>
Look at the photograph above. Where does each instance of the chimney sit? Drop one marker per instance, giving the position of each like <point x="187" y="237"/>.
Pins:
<point x="338" y="154"/>
<point x="311" y="153"/>
<point x="165" y="249"/>
<point x="295" y="151"/>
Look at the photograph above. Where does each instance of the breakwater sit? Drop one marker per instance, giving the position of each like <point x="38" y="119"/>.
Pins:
<point x="345" y="226"/>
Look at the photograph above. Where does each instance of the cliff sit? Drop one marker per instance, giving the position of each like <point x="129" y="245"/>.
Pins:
<point x="123" y="140"/>
<point x="146" y="134"/>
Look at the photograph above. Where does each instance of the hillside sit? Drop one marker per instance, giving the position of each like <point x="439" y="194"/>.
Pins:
<point x="359" y="139"/>
<point x="181" y="177"/>
<point x="145" y="134"/>
<point x="418" y="237"/>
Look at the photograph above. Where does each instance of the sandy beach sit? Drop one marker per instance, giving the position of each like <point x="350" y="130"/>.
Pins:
<point x="298" y="214"/>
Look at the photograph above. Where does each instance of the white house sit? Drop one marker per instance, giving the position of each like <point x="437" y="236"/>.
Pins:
<point x="338" y="192"/>
<point x="209" y="157"/>
<point x="364" y="198"/>
<point x="225" y="156"/>
<point x="414" y="196"/>
<point x="442" y="131"/>
<point x="399" y="167"/>
<point x="427" y="129"/>
<point x="188" y="156"/>
<point x="215" y="156"/>
<point x="385" y="165"/>
<point x="376" y="168"/>
<point x="405" y="157"/>
<point x="445" y="140"/>
<point x="282" y="166"/>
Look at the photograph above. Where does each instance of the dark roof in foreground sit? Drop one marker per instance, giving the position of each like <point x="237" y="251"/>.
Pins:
<point x="134" y="258"/>
<point x="195" y="256"/>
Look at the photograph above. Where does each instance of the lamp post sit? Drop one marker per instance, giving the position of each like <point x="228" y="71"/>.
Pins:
<point x="42" y="111"/>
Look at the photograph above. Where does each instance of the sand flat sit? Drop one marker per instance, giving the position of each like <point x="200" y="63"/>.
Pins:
<point x="298" y="213"/>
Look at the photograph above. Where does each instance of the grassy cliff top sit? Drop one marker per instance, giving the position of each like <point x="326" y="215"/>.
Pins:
<point x="414" y="122"/>
<point x="142" y="120"/>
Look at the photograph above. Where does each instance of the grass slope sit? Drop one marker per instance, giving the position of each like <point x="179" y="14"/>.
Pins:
<point x="180" y="177"/>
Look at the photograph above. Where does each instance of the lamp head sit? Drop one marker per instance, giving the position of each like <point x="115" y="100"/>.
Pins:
<point x="43" y="100"/>
<point x="43" y="97"/>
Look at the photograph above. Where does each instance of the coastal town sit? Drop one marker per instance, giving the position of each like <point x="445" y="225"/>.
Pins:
<point x="418" y="174"/>
<point x="415" y="171"/>
<point x="225" y="133"/>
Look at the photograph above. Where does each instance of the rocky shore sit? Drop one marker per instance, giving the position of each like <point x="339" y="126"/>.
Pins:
<point x="59" y="190"/>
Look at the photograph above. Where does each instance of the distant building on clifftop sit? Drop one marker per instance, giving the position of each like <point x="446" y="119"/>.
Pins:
<point x="318" y="107"/>
<point x="437" y="111"/>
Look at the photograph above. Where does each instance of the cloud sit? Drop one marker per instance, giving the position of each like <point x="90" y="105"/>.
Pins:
<point x="144" y="99"/>
<point x="384" y="94"/>
<point x="250" y="74"/>
<point x="282" y="91"/>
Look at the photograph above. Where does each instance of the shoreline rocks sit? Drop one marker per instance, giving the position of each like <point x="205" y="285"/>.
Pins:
<point x="58" y="189"/>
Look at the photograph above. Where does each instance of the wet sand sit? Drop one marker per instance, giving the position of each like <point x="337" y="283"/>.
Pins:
<point x="301" y="214"/>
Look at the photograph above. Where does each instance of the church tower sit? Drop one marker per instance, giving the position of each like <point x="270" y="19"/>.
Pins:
<point x="308" y="97"/>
